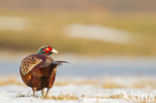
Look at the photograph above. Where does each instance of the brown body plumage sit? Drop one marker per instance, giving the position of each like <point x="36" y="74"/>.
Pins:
<point x="38" y="71"/>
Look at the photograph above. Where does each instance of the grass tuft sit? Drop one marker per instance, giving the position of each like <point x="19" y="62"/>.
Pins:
<point x="62" y="97"/>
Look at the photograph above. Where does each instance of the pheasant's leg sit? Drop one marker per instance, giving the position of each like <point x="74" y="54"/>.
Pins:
<point x="47" y="92"/>
<point x="34" y="90"/>
<point x="43" y="92"/>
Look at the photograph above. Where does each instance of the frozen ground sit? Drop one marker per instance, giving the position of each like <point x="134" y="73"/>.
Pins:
<point x="84" y="91"/>
<point x="86" y="80"/>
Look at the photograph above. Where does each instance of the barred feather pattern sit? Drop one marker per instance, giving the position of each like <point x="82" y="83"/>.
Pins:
<point x="29" y="63"/>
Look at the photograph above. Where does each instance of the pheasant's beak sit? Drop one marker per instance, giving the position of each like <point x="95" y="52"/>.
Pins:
<point x="54" y="51"/>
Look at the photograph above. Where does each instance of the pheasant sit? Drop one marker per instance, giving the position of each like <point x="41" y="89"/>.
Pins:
<point x="38" y="70"/>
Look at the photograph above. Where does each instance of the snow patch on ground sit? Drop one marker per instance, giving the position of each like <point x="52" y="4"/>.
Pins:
<point x="83" y="90"/>
<point x="85" y="94"/>
<point x="98" y="32"/>
<point x="12" y="23"/>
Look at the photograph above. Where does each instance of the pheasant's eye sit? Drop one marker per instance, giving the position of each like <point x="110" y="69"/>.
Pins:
<point x="48" y="49"/>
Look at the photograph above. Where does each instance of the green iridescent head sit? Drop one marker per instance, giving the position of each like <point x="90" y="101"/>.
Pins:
<point x="47" y="50"/>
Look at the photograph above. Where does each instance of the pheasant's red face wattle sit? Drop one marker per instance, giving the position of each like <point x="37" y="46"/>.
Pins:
<point x="47" y="50"/>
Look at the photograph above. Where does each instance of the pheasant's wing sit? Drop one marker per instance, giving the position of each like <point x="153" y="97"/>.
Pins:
<point x="53" y="64"/>
<point x="29" y="63"/>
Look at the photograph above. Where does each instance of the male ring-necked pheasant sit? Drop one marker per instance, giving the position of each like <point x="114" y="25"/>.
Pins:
<point x="38" y="70"/>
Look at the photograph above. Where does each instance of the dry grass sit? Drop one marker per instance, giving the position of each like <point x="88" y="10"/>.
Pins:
<point x="139" y="84"/>
<point x="48" y="28"/>
<point x="112" y="85"/>
<point x="10" y="80"/>
<point x="145" y="84"/>
<point x="62" y="97"/>
<point x="108" y="84"/>
<point x="135" y="99"/>
<point x="83" y="82"/>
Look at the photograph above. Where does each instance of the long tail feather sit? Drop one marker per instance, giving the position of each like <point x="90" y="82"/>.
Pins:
<point x="54" y="63"/>
<point x="59" y="62"/>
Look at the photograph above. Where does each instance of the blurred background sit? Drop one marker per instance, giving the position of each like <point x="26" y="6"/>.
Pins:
<point x="98" y="37"/>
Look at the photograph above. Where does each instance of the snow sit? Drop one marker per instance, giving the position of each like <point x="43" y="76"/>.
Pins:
<point x="8" y="23"/>
<point x="11" y="92"/>
<point x="98" y="32"/>
<point x="86" y="93"/>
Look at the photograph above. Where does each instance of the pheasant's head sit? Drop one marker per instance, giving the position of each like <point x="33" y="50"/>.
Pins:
<point x="47" y="50"/>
